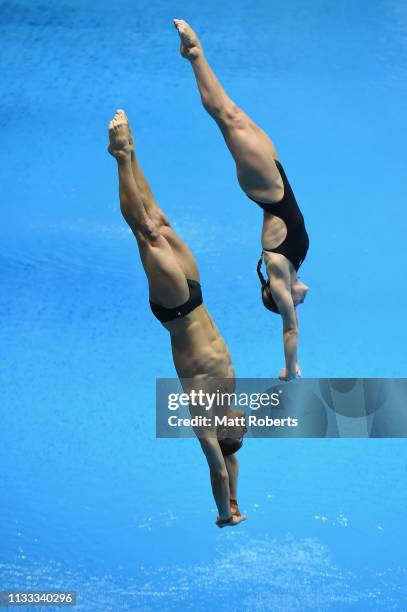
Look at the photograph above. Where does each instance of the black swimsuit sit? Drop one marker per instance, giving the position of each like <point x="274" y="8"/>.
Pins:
<point x="170" y="314"/>
<point x="295" y="245"/>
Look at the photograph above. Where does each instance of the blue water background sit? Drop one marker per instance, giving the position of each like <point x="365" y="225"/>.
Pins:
<point x="90" y="500"/>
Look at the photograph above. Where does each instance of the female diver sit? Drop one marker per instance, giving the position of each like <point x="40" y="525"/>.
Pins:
<point x="262" y="178"/>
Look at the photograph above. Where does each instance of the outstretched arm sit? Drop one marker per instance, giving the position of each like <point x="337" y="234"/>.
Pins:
<point x="280" y="288"/>
<point x="284" y="301"/>
<point x="220" y="481"/>
<point x="232" y="466"/>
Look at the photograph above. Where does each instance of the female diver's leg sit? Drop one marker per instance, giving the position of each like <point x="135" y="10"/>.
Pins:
<point x="251" y="148"/>
<point x="167" y="281"/>
<point x="182" y="252"/>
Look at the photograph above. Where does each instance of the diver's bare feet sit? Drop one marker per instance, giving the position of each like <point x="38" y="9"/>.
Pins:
<point x="190" y="45"/>
<point x="129" y="131"/>
<point x="230" y="522"/>
<point x="120" y="138"/>
<point x="125" y="118"/>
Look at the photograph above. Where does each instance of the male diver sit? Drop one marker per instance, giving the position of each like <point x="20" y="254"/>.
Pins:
<point x="262" y="177"/>
<point x="200" y="354"/>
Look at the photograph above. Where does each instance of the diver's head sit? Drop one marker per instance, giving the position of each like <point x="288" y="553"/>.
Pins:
<point x="267" y="298"/>
<point x="230" y="446"/>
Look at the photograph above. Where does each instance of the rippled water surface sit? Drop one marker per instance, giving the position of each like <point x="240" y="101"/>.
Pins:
<point x="90" y="500"/>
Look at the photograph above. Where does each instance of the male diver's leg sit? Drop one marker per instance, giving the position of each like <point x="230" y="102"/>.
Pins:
<point x="144" y="189"/>
<point x="251" y="148"/>
<point x="182" y="252"/>
<point x="167" y="282"/>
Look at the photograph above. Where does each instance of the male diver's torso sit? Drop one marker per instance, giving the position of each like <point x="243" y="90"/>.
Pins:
<point x="198" y="349"/>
